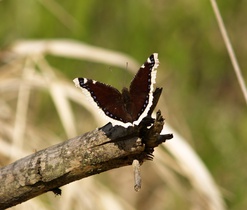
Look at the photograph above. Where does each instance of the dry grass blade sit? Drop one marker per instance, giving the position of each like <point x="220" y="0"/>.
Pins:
<point x="193" y="169"/>
<point x="56" y="88"/>
<point x="21" y="110"/>
<point x="73" y="49"/>
<point x="61" y="14"/>
<point x="229" y="49"/>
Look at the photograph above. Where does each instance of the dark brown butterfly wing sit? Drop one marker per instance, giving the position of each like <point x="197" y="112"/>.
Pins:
<point x="130" y="107"/>
<point x="142" y="87"/>
<point x="107" y="98"/>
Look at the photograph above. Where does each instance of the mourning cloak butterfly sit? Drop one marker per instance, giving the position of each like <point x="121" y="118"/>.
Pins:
<point x="129" y="107"/>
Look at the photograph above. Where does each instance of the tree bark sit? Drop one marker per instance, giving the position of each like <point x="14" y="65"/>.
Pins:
<point x="91" y="153"/>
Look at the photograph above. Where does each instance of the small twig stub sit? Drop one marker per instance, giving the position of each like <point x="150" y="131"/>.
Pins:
<point x="137" y="175"/>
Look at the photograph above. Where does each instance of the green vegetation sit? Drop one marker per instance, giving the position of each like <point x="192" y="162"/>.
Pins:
<point x="202" y="99"/>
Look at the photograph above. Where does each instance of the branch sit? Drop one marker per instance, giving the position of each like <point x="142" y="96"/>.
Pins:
<point x="91" y="153"/>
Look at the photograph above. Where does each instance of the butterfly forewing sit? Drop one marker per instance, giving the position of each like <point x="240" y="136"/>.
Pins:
<point x="107" y="98"/>
<point x="141" y="87"/>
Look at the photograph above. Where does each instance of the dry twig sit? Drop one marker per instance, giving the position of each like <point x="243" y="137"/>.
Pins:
<point x="92" y="153"/>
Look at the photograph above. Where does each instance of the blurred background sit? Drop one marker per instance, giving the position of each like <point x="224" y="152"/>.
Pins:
<point x="45" y="44"/>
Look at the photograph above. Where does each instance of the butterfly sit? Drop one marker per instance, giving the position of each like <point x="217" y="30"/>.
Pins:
<point x="129" y="107"/>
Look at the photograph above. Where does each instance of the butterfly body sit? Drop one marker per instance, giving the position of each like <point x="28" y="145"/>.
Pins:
<point x="131" y="105"/>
